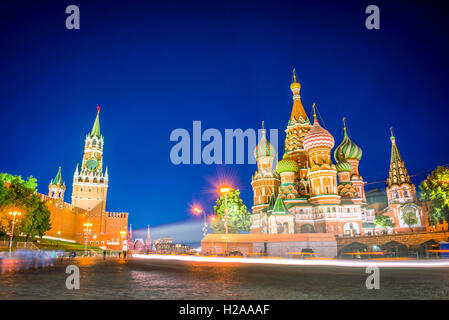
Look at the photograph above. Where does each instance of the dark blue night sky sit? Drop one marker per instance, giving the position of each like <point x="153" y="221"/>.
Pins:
<point x="157" y="66"/>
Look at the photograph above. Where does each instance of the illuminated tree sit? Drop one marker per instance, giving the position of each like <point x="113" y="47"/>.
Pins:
<point x="239" y="217"/>
<point x="21" y="195"/>
<point x="435" y="191"/>
<point x="384" y="222"/>
<point x="409" y="218"/>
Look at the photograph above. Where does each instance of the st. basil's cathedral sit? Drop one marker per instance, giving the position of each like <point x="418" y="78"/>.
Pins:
<point x="308" y="193"/>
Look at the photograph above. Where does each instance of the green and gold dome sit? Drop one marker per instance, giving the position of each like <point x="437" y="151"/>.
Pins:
<point x="343" y="166"/>
<point x="286" y="165"/>
<point x="347" y="150"/>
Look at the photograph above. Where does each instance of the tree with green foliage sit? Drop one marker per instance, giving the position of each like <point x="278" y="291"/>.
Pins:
<point x="239" y="217"/>
<point x="409" y="218"/>
<point x="435" y="191"/>
<point x="21" y="195"/>
<point x="384" y="222"/>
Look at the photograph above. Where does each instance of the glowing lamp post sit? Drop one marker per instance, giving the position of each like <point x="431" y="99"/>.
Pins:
<point x="225" y="191"/>
<point x="197" y="211"/>
<point x="87" y="231"/>
<point x="123" y="235"/>
<point x="13" y="215"/>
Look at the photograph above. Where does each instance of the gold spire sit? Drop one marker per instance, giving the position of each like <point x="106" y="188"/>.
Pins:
<point x="295" y="84"/>
<point x="314" y="111"/>
<point x="344" y="124"/>
<point x="298" y="112"/>
<point x="392" y="137"/>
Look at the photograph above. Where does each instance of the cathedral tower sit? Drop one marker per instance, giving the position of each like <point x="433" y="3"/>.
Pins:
<point x="401" y="192"/>
<point x="322" y="174"/>
<point x="400" y="188"/>
<point x="90" y="184"/>
<point x="297" y="128"/>
<point x="56" y="188"/>
<point x="265" y="181"/>
<point x="351" y="153"/>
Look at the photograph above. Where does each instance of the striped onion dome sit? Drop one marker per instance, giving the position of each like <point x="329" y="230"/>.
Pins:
<point x="318" y="137"/>
<point x="347" y="150"/>
<point x="343" y="166"/>
<point x="264" y="148"/>
<point x="287" y="165"/>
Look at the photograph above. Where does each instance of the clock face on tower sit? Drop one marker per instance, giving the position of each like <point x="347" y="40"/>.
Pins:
<point x="91" y="164"/>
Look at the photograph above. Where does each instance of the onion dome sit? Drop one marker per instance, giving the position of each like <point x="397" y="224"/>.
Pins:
<point x="264" y="148"/>
<point x="347" y="150"/>
<point x="343" y="166"/>
<point x="317" y="136"/>
<point x="286" y="165"/>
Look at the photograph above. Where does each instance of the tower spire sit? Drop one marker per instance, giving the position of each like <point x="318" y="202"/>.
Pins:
<point x="314" y="112"/>
<point x="392" y="137"/>
<point x="344" y="125"/>
<point x="398" y="173"/>
<point x="298" y="113"/>
<point x="58" y="179"/>
<point x="96" y="127"/>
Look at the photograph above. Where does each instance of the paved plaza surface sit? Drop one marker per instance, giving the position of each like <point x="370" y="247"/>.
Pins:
<point x="161" y="279"/>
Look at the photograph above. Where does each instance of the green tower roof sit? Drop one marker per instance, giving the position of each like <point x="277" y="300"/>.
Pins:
<point x="96" y="128"/>
<point x="58" y="179"/>
<point x="279" y="206"/>
<point x="272" y="202"/>
<point x="398" y="173"/>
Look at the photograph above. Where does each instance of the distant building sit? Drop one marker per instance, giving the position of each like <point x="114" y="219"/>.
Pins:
<point x="142" y="247"/>
<point x="166" y="246"/>
<point x="139" y="246"/>
<point x="148" y="245"/>
<point x="163" y="245"/>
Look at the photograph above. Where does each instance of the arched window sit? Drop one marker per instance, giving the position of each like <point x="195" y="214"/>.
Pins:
<point x="280" y="229"/>
<point x="285" y="227"/>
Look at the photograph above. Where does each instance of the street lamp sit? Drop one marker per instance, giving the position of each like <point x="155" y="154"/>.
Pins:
<point x="225" y="191"/>
<point x="87" y="225"/>
<point x="14" y="215"/>
<point x="124" y="247"/>
<point x="198" y="211"/>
